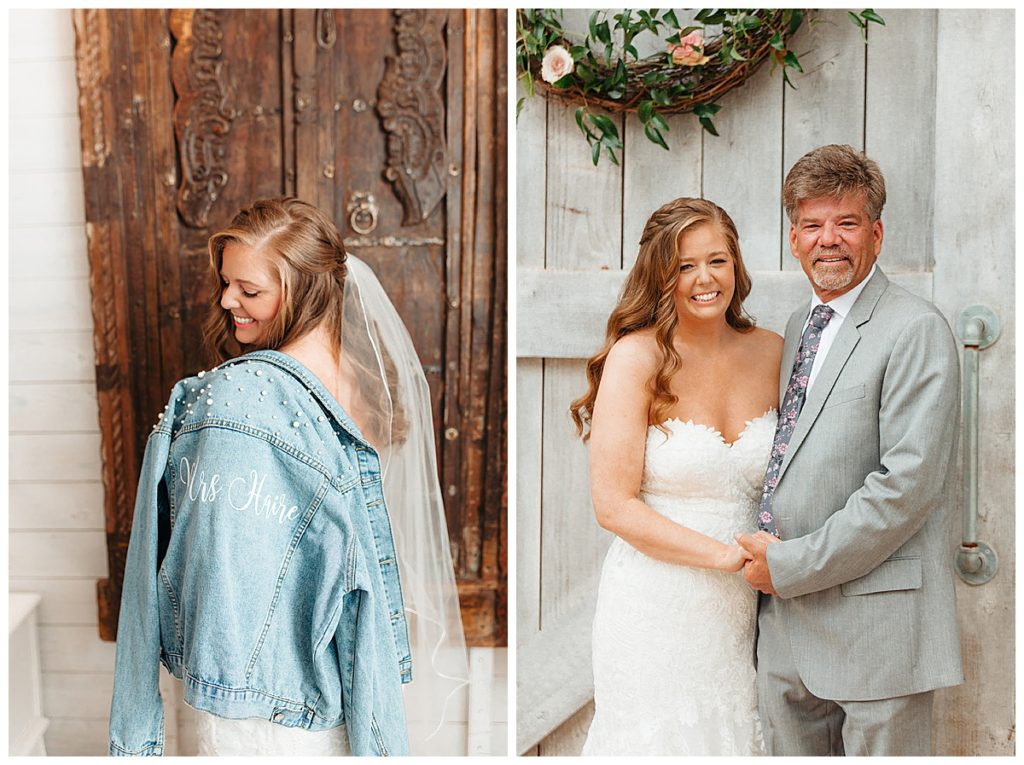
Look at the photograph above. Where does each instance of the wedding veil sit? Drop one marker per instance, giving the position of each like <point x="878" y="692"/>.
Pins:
<point x="377" y="351"/>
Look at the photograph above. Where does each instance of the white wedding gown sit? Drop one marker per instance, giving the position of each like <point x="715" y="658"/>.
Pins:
<point x="220" y="737"/>
<point x="673" y="649"/>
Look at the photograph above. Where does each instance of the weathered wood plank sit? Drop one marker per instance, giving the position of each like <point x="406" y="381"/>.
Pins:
<point x="48" y="251"/>
<point x="974" y="241"/>
<point x="529" y="437"/>
<point x="45" y="87"/>
<point x="68" y="601"/>
<point x="45" y="143"/>
<point x="531" y="181"/>
<point x="60" y="407"/>
<point x="49" y="505"/>
<point x="578" y="304"/>
<point x="52" y="357"/>
<point x="58" y="553"/>
<point x="64" y="456"/>
<point x="67" y="302"/>
<point x="653" y="176"/>
<point x="584" y="203"/>
<point x="743" y="167"/>
<point x="41" y="33"/>
<point x="572" y="543"/>
<point x="553" y="676"/>
<point x="43" y="198"/>
<point x="906" y="45"/>
<point x="74" y="649"/>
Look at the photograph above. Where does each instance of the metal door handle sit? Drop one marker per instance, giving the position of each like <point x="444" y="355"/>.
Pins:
<point x="978" y="327"/>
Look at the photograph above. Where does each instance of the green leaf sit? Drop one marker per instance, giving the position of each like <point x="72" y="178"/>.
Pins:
<point x="604" y="33"/>
<point x="655" y="136"/>
<point x="563" y="83"/>
<point x="659" y="122"/>
<point x="645" y="111"/>
<point x="660" y="97"/>
<point x="632" y="50"/>
<point x="735" y="54"/>
<point x="747" y="23"/>
<point x="519" y="107"/>
<point x="686" y="30"/>
<point x="670" y="19"/>
<point x="777" y="42"/>
<point x="856" y="19"/>
<point x="673" y="39"/>
<point x="708" y="125"/>
<point x="796" y="18"/>
<point x="595" y="152"/>
<point x="654" y="78"/>
<point x="611" y="156"/>
<point x="870" y="15"/>
<point x="593" y="26"/>
<point x="790" y="60"/>
<point x="578" y="51"/>
<point x="707" y="110"/>
<point x="605" y="125"/>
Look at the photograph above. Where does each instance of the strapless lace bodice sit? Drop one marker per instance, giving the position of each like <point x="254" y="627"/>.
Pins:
<point x="673" y="646"/>
<point x="693" y="476"/>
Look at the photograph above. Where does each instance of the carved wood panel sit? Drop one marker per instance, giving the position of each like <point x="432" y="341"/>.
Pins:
<point x="391" y="121"/>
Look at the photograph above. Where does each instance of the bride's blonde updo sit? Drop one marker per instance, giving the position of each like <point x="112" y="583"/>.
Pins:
<point x="648" y="300"/>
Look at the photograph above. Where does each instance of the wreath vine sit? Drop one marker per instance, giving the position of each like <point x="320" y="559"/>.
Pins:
<point x="701" y="62"/>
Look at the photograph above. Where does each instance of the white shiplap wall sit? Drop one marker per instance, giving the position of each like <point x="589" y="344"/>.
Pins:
<point x="57" y="545"/>
<point x="56" y="499"/>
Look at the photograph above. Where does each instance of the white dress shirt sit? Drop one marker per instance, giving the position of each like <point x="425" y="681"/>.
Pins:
<point x="841" y="305"/>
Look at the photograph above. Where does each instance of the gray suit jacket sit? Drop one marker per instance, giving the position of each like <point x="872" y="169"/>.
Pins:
<point x="864" y="504"/>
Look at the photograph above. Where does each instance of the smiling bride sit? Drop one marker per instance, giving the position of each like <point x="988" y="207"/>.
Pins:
<point x="680" y="413"/>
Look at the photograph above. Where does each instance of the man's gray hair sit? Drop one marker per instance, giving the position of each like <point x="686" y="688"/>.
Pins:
<point x="834" y="171"/>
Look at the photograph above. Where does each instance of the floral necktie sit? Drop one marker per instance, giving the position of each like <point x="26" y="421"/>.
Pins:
<point x="792" y="403"/>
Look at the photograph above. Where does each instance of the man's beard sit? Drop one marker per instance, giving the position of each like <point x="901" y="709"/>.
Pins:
<point x="833" y="277"/>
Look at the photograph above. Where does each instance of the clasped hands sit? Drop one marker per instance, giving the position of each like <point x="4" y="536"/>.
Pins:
<point x="755" y="566"/>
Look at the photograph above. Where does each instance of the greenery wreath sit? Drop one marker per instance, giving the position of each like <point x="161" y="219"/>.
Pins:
<point x="701" y="62"/>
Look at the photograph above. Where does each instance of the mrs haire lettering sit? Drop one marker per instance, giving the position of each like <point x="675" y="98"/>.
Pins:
<point x="242" y="494"/>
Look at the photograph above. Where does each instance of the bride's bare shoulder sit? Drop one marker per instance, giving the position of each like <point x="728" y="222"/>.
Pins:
<point x="638" y="352"/>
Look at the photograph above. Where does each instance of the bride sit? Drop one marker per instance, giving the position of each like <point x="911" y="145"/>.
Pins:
<point x="681" y="410"/>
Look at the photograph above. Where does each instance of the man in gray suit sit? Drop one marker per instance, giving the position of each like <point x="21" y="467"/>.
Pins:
<point x="857" y="626"/>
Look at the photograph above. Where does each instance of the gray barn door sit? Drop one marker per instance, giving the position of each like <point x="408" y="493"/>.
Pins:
<point x="943" y="136"/>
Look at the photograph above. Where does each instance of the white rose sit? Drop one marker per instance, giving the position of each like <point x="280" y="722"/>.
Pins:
<point x="557" y="63"/>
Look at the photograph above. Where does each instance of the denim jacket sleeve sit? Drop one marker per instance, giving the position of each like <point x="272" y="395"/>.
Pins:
<point x="136" y="712"/>
<point x="368" y="685"/>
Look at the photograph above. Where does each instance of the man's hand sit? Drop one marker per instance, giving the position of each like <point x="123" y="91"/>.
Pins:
<point x="756" y="571"/>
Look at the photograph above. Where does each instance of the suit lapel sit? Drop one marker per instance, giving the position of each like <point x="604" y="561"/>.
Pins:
<point x="838" y="355"/>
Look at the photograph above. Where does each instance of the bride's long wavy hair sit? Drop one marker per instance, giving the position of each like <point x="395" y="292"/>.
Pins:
<point x="648" y="300"/>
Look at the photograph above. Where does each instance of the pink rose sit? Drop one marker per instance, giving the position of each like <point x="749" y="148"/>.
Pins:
<point x="689" y="51"/>
<point x="556" y="64"/>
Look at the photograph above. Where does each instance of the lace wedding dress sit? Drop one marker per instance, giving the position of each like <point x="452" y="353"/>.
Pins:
<point x="673" y="649"/>
<point x="219" y="737"/>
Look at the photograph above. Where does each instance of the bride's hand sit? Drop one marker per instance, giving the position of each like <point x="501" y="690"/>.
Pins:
<point x="733" y="557"/>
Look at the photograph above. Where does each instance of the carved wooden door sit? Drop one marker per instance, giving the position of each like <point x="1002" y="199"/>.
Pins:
<point x="393" y="122"/>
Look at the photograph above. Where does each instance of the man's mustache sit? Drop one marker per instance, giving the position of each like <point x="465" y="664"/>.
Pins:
<point x="831" y="252"/>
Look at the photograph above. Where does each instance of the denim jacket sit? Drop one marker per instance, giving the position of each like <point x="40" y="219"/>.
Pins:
<point x="261" y="568"/>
